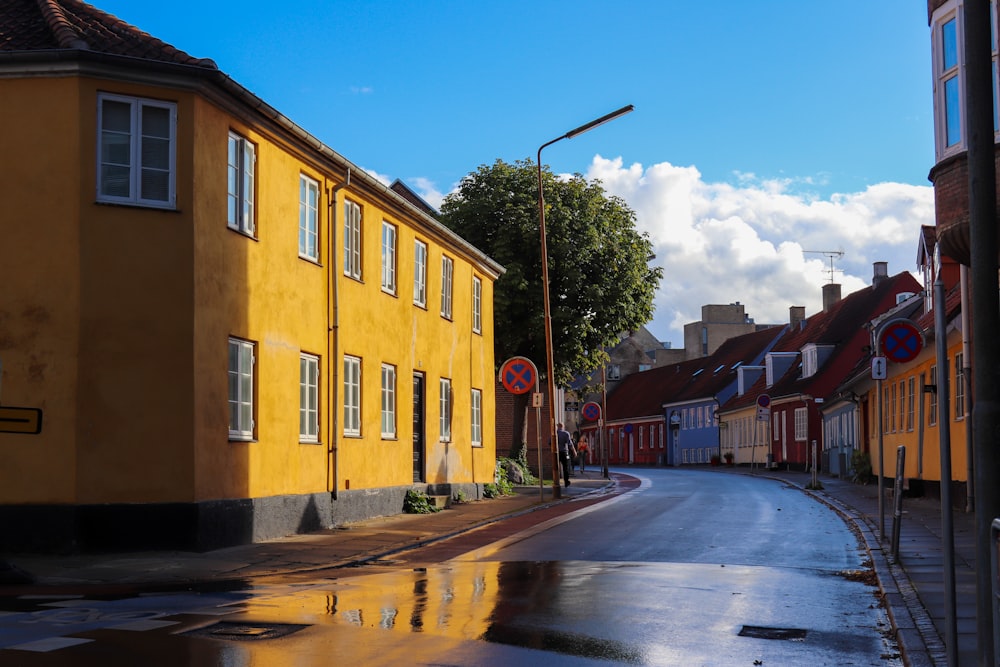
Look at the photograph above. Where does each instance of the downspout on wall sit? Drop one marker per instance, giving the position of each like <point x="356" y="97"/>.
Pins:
<point x="333" y="339"/>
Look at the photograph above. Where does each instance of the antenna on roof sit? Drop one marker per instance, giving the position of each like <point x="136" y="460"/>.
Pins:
<point x="831" y="254"/>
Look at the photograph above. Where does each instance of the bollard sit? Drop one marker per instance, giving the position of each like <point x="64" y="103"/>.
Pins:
<point x="995" y="558"/>
<point x="897" y="501"/>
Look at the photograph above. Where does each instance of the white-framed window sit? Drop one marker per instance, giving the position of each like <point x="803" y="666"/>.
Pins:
<point x="902" y="405"/>
<point x="476" y="414"/>
<point x="308" y="218"/>
<point x="801" y="424"/>
<point x="388" y="401"/>
<point x="948" y="63"/>
<point x="444" y="405"/>
<point x="447" y="272"/>
<point x="477" y="304"/>
<point x="241" y="389"/>
<point x="911" y="395"/>
<point x="352" y="396"/>
<point x="933" y="409"/>
<point x="614" y="372"/>
<point x="959" y="391"/>
<point x="241" y="162"/>
<point x="308" y="398"/>
<point x="420" y="273"/>
<point x="137" y="145"/>
<point x="809" y="360"/>
<point x="352" y="240"/>
<point x="388" y="257"/>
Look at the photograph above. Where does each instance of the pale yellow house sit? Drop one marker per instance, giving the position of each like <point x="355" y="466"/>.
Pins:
<point x="230" y="332"/>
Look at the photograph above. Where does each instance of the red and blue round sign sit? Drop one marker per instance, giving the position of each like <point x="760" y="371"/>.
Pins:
<point x="591" y="411"/>
<point x="901" y="340"/>
<point x="518" y="375"/>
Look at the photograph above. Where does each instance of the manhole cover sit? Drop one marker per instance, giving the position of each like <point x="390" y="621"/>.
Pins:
<point x="761" y="632"/>
<point x="235" y="631"/>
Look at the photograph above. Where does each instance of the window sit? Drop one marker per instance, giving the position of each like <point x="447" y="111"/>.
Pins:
<point x="241" y="379"/>
<point x="241" y="161"/>
<point x="477" y="305"/>
<point x="352" y="396"/>
<point x="420" y="273"/>
<point x="910" y="398"/>
<point x="809" y="361"/>
<point x="388" y="401"/>
<point x="801" y="424"/>
<point x="477" y="417"/>
<point x="388" y="258"/>
<point x="892" y="407"/>
<point x="352" y="240"/>
<point x="932" y="413"/>
<point x="959" y="386"/>
<point x="614" y="372"/>
<point x="137" y="145"/>
<point x="447" y="270"/>
<point x="308" y="218"/>
<point x="902" y="405"/>
<point x="444" y="402"/>
<point x="308" y="398"/>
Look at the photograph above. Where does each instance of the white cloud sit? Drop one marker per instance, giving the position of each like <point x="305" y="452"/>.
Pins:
<point x="721" y="243"/>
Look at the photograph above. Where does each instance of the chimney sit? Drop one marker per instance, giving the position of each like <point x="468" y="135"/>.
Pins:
<point x="831" y="295"/>
<point x="796" y="315"/>
<point x="880" y="274"/>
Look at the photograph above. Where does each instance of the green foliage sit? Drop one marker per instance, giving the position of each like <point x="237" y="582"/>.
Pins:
<point x="521" y="461"/>
<point x="600" y="280"/>
<point x="491" y="491"/>
<point x="861" y="465"/>
<point x="459" y="496"/>
<point x="417" y="502"/>
<point x="501" y="485"/>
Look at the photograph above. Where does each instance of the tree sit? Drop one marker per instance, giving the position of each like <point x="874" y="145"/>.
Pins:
<point x="601" y="281"/>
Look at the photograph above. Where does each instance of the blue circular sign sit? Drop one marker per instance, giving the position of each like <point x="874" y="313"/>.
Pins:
<point x="901" y="341"/>
<point x="591" y="411"/>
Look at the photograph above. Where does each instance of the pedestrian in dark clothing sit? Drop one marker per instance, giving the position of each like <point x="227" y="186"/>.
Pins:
<point x="567" y="452"/>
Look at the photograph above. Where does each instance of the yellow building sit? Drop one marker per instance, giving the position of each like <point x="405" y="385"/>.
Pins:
<point x="230" y="332"/>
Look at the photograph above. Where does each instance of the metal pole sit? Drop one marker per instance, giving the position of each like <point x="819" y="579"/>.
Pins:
<point x="985" y="297"/>
<point x="881" y="457"/>
<point x="944" y="439"/>
<point x="600" y="422"/>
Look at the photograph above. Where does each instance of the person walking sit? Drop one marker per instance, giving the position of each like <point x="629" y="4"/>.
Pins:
<point x="583" y="449"/>
<point x="567" y="452"/>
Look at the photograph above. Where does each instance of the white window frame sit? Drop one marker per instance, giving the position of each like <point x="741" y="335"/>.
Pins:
<point x="420" y="273"/>
<point x="308" y="218"/>
<point x="352" y="396"/>
<point x="388" y="401"/>
<point x="131" y="167"/>
<point x="477" y="305"/>
<point x="444" y="410"/>
<point x="241" y="163"/>
<point x="241" y="363"/>
<point x="308" y="398"/>
<point x="801" y="424"/>
<point x="959" y="391"/>
<point x="911" y="393"/>
<point x="389" y="235"/>
<point x="476" y="414"/>
<point x="932" y="410"/>
<point x="353" y="220"/>
<point x="447" y="276"/>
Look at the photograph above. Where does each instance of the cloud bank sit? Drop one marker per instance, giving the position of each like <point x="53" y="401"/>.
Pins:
<point x="764" y="243"/>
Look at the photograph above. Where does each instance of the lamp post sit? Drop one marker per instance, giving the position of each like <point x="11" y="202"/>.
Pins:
<point x="550" y="364"/>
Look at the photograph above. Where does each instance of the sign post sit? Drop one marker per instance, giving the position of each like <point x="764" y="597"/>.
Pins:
<point x="518" y="375"/>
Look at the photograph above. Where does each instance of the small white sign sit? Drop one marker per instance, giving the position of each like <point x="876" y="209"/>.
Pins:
<point x="878" y="368"/>
<point x="537" y="399"/>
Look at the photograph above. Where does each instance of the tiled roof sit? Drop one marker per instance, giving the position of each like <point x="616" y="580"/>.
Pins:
<point x="54" y="25"/>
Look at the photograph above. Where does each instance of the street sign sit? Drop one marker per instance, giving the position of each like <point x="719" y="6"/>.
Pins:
<point x="518" y="375"/>
<point x="763" y="401"/>
<point x="628" y="428"/>
<point x="591" y="411"/>
<point x="878" y="368"/>
<point x="763" y="408"/>
<point x="900" y="340"/>
<point x="20" y="420"/>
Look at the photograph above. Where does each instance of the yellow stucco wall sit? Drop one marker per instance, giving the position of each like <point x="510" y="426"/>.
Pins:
<point x="116" y="319"/>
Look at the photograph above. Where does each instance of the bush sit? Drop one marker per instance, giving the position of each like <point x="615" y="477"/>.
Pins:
<point x="861" y="465"/>
<point x="417" y="502"/>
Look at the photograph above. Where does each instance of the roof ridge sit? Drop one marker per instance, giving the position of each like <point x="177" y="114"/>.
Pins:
<point x="63" y="30"/>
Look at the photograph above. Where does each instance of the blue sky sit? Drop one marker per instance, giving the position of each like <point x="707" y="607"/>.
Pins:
<point x="761" y="129"/>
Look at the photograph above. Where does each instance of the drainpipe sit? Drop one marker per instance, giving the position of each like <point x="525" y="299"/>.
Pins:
<point x="970" y="474"/>
<point x="333" y="339"/>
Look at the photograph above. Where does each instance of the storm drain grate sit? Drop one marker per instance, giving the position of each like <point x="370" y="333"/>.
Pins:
<point x="761" y="632"/>
<point x="235" y="631"/>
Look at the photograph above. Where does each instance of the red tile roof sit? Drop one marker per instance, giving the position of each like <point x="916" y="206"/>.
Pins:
<point x="28" y="26"/>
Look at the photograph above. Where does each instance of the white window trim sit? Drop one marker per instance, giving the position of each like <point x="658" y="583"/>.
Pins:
<point x="476" y="414"/>
<point x="420" y="273"/>
<point x="447" y="276"/>
<point x="389" y="236"/>
<point x="242" y="400"/>
<point x="801" y="424"/>
<point x="135" y="139"/>
<point x="388" y="419"/>
<point x="352" y="396"/>
<point x="353" y="220"/>
<point x="241" y="164"/>
<point x="308" y="218"/>
<point x="477" y="305"/>
<point x="445" y="409"/>
<point x="308" y="398"/>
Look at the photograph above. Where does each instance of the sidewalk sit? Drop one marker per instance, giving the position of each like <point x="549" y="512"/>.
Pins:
<point x="913" y="587"/>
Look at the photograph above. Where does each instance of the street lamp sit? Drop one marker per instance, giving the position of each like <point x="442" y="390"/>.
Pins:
<point x="550" y="365"/>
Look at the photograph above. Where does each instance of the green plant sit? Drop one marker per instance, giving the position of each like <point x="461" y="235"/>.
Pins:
<point x="459" y="496"/>
<point x="861" y="467"/>
<point x="417" y="502"/>
<point x="491" y="491"/>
